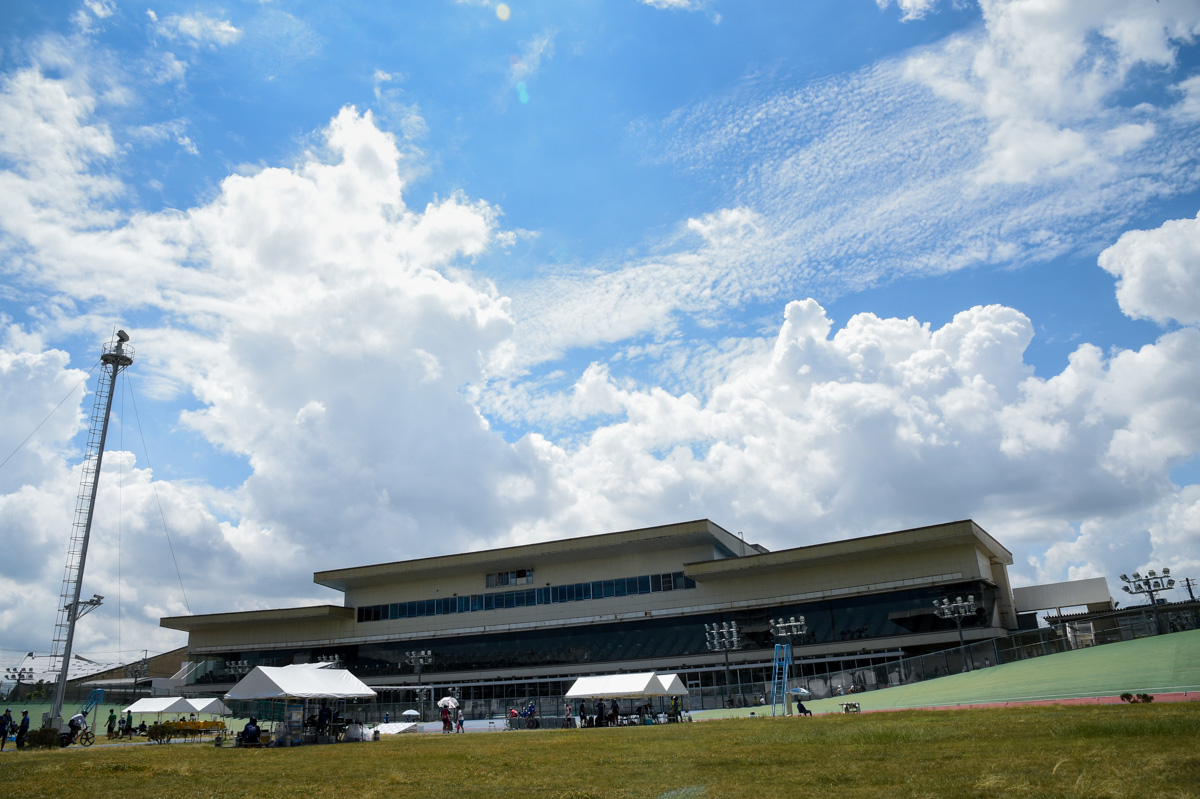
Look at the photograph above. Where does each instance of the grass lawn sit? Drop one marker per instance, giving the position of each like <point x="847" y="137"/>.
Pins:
<point x="1161" y="664"/>
<point x="1068" y="751"/>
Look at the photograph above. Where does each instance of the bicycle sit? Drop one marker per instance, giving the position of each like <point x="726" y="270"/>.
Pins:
<point x="83" y="738"/>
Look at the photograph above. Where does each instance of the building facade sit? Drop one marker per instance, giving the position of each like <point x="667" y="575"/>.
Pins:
<point x="523" y="622"/>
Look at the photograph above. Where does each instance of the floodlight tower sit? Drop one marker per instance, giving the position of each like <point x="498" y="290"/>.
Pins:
<point x="419" y="659"/>
<point x="723" y="638"/>
<point x="957" y="610"/>
<point x="1149" y="585"/>
<point x="115" y="357"/>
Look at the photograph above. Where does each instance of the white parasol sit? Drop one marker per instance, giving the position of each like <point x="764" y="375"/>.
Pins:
<point x="447" y="701"/>
<point x="410" y="713"/>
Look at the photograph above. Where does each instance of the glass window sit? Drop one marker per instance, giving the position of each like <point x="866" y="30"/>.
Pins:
<point x="430" y="607"/>
<point x="619" y="587"/>
<point x="668" y="582"/>
<point x="656" y="582"/>
<point x="643" y="584"/>
<point x="489" y="602"/>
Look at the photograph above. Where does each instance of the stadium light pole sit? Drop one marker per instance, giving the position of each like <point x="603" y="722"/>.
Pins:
<point x="723" y="638"/>
<point x="1149" y="585"/>
<point x="957" y="610"/>
<point x="419" y="659"/>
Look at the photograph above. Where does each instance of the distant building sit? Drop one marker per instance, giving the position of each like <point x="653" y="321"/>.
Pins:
<point x="117" y="680"/>
<point x="527" y="620"/>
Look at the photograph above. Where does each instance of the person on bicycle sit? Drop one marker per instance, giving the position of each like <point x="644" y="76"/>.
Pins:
<point x="78" y="722"/>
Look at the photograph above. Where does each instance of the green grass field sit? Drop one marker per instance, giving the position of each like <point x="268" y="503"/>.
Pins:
<point x="1086" y="751"/>
<point x="1063" y="751"/>
<point x="1162" y="664"/>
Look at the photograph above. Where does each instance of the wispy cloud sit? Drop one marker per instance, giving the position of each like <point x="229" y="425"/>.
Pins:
<point x="197" y="29"/>
<point x="857" y="180"/>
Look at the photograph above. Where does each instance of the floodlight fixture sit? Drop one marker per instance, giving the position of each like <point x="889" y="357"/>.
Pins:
<point x="1149" y="585"/>
<point x="957" y="610"/>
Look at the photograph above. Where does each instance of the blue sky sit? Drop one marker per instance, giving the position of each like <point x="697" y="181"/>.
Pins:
<point x="450" y="275"/>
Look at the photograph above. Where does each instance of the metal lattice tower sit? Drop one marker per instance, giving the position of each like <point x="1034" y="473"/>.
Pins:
<point x="114" y="358"/>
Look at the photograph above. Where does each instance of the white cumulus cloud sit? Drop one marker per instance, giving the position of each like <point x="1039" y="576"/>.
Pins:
<point x="1158" y="272"/>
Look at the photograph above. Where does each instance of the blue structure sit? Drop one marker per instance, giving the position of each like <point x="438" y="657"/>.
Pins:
<point x="779" y="676"/>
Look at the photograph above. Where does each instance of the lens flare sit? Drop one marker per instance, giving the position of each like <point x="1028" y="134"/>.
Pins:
<point x="503" y="12"/>
<point x="522" y="92"/>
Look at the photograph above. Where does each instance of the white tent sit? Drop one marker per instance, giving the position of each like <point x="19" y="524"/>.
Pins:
<point x="209" y="705"/>
<point x="625" y="686"/>
<point x="177" y="704"/>
<point x="302" y="681"/>
<point x="161" y="704"/>
<point x="672" y="685"/>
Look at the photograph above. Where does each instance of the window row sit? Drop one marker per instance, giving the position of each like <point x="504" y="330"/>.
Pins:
<point x="518" y="577"/>
<point x="555" y="594"/>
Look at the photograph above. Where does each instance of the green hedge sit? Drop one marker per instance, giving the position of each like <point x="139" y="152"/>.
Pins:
<point x="43" y="739"/>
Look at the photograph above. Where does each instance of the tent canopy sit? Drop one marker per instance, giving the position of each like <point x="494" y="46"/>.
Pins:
<point x="177" y="704"/>
<point x="209" y="705"/>
<point x="627" y="686"/>
<point x="302" y="681"/>
<point x="672" y="685"/>
<point x="160" y="704"/>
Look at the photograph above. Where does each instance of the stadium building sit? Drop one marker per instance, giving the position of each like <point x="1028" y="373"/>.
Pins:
<point x="502" y="625"/>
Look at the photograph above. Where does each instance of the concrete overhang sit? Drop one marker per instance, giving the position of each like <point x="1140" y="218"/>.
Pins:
<point x="314" y="613"/>
<point x="915" y="540"/>
<point x="570" y="550"/>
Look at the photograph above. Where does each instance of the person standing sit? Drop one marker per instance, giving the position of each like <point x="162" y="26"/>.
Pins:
<point x="459" y="724"/>
<point x="129" y="724"/>
<point x="6" y="721"/>
<point x="112" y="723"/>
<point x="22" y="729"/>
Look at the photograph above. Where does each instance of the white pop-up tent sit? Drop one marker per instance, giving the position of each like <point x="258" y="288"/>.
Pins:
<point x="642" y="685"/>
<point x="177" y="704"/>
<point x="301" y="681"/>
<point x="161" y="704"/>
<point x="209" y="705"/>
<point x="672" y="685"/>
